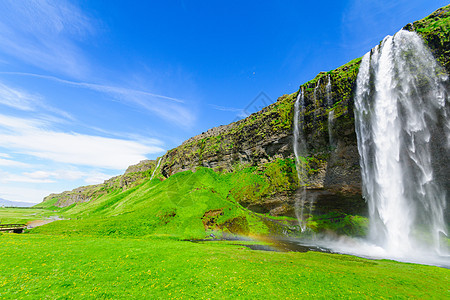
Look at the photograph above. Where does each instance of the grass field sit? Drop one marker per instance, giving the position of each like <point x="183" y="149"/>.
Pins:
<point x="23" y="215"/>
<point x="65" y="267"/>
<point x="130" y="244"/>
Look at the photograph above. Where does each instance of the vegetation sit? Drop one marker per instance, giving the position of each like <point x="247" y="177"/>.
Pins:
<point x="68" y="267"/>
<point x="176" y="205"/>
<point x="339" y="223"/>
<point x="23" y="215"/>
<point x="435" y="30"/>
<point x="181" y="204"/>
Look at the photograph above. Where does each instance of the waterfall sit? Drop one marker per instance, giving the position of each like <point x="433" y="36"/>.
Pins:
<point x="300" y="150"/>
<point x="316" y="106"/>
<point x="157" y="166"/>
<point x="330" y="113"/>
<point x="403" y="130"/>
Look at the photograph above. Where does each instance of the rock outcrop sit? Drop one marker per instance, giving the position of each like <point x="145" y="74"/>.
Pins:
<point x="133" y="176"/>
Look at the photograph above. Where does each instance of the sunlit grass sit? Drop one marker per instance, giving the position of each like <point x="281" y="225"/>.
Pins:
<point x="40" y="266"/>
<point x="23" y="215"/>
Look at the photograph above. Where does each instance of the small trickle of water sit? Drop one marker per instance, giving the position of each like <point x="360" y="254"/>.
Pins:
<point x="316" y="101"/>
<point x="157" y="166"/>
<point x="299" y="151"/>
<point x="401" y="111"/>
<point x="330" y="113"/>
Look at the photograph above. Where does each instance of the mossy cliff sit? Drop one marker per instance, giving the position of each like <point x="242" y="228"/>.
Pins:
<point x="258" y="150"/>
<point x="134" y="175"/>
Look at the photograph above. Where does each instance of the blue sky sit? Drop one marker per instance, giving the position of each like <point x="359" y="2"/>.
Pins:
<point x="90" y="87"/>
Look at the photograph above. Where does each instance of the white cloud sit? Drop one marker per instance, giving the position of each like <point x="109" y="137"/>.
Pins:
<point x="241" y="113"/>
<point x="16" y="98"/>
<point x="168" y="108"/>
<point x="24" y="179"/>
<point x="69" y="175"/>
<point x="23" y="193"/>
<point x="90" y="177"/>
<point x="43" y="33"/>
<point x="38" y="174"/>
<point x="96" y="178"/>
<point x="22" y="100"/>
<point x="33" y="137"/>
<point x="12" y="163"/>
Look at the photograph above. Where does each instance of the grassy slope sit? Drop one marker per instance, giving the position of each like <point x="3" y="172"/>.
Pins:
<point x="62" y="267"/>
<point x="174" y="206"/>
<point x="177" y="205"/>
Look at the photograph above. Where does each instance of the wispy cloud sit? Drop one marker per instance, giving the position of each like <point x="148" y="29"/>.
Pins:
<point x="33" y="137"/>
<point x="241" y="112"/>
<point x="6" y="178"/>
<point x="168" y="108"/>
<point x="22" y="100"/>
<point x="12" y="163"/>
<point x="90" y="177"/>
<point x="17" y="99"/>
<point x="48" y="33"/>
<point x="97" y="87"/>
<point x="224" y="108"/>
<point x="22" y="193"/>
<point x="44" y="34"/>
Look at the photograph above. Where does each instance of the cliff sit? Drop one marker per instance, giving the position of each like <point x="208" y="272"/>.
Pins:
<point x="134" y="175"/>
<point x="258" y="150"/>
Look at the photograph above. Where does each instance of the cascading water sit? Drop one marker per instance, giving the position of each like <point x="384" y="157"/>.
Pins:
<point x="157" y="166"/>
<point x="300" y="150"/>
<point x="403" y="130"/>
<point x="330" y="113"/>
<point x="316" y="104"/>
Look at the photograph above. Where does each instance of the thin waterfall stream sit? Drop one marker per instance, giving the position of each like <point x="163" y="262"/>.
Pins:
<point x="156" y="167"/>
<point x="299" y="151"/>
<point x="330" y="113"/>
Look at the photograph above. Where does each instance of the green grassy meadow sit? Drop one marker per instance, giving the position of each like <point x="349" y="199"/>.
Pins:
<point x="66" y="267"/>
<point x="132" y="244"/>
<point x="21" y="215"/>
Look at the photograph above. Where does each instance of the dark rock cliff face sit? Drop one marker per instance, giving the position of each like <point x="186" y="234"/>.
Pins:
<point x="333" y="172"/>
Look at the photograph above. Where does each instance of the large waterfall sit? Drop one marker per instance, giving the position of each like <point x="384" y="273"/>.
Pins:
<point x="403" y="129"/>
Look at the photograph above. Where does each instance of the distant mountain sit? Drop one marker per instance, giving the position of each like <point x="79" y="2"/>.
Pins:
<point x="5" y="203"/>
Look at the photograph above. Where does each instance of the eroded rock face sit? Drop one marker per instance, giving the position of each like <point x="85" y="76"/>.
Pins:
<point x="133" y="176"/>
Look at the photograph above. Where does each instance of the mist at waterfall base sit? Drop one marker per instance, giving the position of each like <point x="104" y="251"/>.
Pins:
<point x="403" y="132"/>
